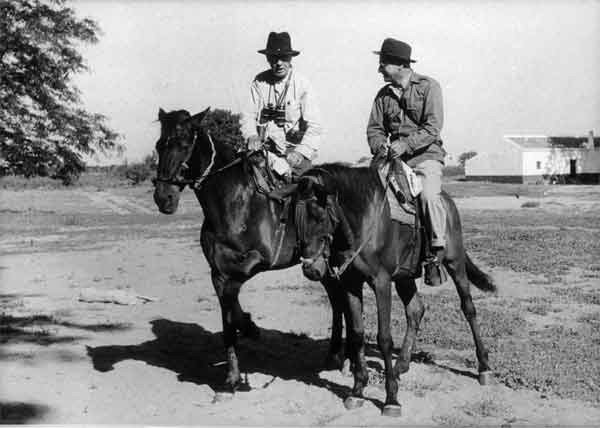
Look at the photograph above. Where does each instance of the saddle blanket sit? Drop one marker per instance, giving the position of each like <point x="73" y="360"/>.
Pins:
<point x="401" y="212"/>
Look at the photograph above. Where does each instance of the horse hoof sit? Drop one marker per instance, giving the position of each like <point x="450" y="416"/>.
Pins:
<point x="486" y="378"/>
<point x="392" y="410"/>
<point x="347" y="368"/>
<point x="353" y="403"/>
<point x="222" y="396"/>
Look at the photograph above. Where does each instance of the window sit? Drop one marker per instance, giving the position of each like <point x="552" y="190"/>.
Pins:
<point x="538" y="165"/>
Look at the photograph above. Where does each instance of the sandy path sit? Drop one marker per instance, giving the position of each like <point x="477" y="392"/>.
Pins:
<point x="153" y="363"/>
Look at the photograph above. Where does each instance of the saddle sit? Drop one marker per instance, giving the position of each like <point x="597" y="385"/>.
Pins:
<point x="403" y="189"/>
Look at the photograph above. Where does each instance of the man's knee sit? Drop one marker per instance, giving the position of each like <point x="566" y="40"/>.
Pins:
<point x="430" y="173"/>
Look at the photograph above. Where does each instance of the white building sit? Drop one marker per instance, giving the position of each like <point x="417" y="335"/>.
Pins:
<point x="539" y="159"/>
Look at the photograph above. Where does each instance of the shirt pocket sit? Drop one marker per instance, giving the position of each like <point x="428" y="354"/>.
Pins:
<point x="293" y="110"/>
<point x="414" y="105"/>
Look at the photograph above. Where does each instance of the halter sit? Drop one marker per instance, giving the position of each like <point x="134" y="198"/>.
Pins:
<point x="196" y="183"/>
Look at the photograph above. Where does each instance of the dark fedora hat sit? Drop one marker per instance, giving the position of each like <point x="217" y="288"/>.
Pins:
<point x="279" y="44"/>
<point x="393" y="49"/>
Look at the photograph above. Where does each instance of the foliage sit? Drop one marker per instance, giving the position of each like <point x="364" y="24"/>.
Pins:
<point x="43" y="128"/>
<point x="463" y="157"/>
<point x="453" y="171"/>
<point x="138" y="172"/>
<point x="224" y="126"/>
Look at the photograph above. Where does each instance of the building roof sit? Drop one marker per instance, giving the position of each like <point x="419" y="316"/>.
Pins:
<point x="550" y="142"/>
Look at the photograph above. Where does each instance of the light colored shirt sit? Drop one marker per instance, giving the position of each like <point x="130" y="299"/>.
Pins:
<point x="302" y="128"/>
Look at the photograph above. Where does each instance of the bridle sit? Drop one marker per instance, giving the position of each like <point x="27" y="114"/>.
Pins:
<point x="326" y="239"/>
<point x="336" y="217"/>
<point x="195" y="183"/>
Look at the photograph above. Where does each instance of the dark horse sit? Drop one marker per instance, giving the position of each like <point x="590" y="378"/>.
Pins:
<point x="242" y="234"/>
<point x="352" y="199"/>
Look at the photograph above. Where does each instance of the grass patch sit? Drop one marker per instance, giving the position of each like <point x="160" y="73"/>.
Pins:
<point x="465" y="189"/>
<point x="544" y="244"/>
<point x="556" y="360"/>
<point x="577" y="295"/>
<point x="539" y="305"/>
<point x="592" y="318"/>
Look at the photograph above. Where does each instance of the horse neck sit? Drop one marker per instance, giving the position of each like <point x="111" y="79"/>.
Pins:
<point x="219" y="190"/>
<point x="359" y="196"/>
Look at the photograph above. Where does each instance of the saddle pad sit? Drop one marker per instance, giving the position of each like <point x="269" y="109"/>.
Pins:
<point x="400" y="212"/>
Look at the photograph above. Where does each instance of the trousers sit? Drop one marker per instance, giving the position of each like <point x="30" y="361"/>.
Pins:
<point x="430" y="172"/>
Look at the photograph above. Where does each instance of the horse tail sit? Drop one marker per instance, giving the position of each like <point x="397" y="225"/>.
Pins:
<point x="479" y="278"/>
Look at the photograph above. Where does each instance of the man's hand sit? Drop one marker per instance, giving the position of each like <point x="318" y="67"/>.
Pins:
<point x="254" y="143"/>
<point x="398" y="148"/>
<point x="294" y="159"/>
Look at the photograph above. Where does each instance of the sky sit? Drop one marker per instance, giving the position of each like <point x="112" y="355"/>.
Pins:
<point x="505" y="67"/>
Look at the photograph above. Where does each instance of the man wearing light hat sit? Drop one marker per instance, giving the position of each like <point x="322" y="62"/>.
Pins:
<point x="405" y="124"/>
<point x="285" y="117"/>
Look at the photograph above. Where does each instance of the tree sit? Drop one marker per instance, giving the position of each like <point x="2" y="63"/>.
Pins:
<point x="43" y="128"/>
<point x="463" y="157"/>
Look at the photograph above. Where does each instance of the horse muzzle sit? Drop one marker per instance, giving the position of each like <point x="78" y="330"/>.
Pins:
<point x="166" y="197"/>
<point x="314" y="269"/>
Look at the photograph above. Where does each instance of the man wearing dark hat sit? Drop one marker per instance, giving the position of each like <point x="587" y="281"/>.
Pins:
<point x="285" y="117"/>
<point x="405" y="124"/>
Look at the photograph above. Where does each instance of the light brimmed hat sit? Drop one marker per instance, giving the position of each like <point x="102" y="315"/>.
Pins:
<point x="393" y="49"/>
<point x="279" y="44"/>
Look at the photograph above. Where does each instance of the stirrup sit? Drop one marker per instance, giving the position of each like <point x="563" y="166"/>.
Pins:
<point x="435" y="274"/>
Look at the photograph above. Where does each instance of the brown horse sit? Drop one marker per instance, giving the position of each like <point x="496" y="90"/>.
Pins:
<point x="242" y="233"/>
<point x="345" y="207"/>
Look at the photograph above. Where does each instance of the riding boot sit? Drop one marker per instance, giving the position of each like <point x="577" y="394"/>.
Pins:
<point x="435" y="274"/>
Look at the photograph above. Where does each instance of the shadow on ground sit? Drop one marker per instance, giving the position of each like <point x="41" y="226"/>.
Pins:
<point x="40" y="329"/>
<point x="21" y="413"/>
<point x="192" y="352"/>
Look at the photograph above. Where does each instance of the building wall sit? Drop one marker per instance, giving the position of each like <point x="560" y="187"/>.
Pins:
<point x="502" y="163"/>
<point x="557" y="161"/>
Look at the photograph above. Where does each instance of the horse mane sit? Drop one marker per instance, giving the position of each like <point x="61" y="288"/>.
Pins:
<point x="354" y="186"/>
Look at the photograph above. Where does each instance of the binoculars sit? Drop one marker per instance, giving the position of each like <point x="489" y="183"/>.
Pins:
<point x="271" y="113"/>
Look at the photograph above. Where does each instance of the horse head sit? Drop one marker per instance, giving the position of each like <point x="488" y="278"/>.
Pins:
<point x="316" y="222"/>
<point x="179" y="135"/>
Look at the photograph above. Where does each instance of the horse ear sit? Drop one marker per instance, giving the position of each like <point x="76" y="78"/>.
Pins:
<point x="197" y="119"/>
<point x="161" y="113"/>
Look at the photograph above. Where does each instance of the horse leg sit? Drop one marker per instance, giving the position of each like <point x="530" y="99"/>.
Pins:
<point x="356" y="342"/>
<point x="457" y="270"/>
<point x="414" y="309"/>
<point x="383" y="296"/>
<point x="227" y="292"/>
<point x="335" y="355"/>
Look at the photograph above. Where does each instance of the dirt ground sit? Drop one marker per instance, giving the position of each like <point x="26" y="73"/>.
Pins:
<point x="153" y="356"/>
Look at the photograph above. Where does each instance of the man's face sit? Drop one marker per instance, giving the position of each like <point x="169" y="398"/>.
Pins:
<point x="390" y="72"/>
<point x="280" y="65"/>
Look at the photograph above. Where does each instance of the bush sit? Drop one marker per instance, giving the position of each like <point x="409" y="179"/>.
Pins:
<point x="138" y="172"/>
<point x="453" y="171"/>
